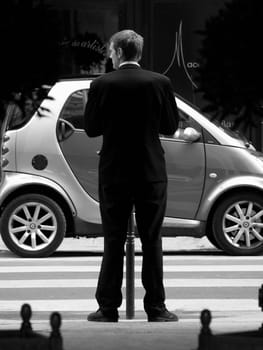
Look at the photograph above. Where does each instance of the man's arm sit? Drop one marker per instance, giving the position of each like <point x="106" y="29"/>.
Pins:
<point x="92" y="115"/>
<point x="170" y="115"/>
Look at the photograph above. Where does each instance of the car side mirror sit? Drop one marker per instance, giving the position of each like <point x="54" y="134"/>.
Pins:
<point x="191" y="135"/>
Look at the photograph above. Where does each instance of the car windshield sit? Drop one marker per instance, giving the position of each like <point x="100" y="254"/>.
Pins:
<point x="233" y="133"/>
<point x="224" y="126"/>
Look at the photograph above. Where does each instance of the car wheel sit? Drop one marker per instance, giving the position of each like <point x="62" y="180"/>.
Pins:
<point x="33" y="226"/>
<point x="238" y="224"/>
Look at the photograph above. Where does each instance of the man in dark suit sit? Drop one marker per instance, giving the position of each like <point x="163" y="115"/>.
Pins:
<point x="130" y="107"/>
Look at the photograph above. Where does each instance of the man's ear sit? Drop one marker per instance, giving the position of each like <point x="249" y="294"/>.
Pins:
<point x="119" y="52"/>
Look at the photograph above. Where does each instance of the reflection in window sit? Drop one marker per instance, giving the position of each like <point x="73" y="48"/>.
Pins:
<point x="184" y="122"/>
<point x="21" y="106"/>
<point x="74" y="109"/>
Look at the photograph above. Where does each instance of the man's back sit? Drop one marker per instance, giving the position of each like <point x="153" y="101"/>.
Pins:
<point x="134" y="107"/>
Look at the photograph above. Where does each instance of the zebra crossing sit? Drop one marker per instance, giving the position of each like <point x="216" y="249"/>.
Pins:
<point x="192" y="283"/>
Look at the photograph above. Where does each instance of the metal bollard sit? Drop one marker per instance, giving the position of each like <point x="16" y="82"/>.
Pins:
<point x="130" y="268"/>
<point x="260" y="303"/>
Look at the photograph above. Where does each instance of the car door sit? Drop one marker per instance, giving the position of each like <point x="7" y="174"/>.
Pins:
<point x="79" y="150"/>
<point x="185" y="161"/>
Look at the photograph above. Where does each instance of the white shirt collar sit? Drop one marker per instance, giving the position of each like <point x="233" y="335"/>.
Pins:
<point x="129" y="62"/>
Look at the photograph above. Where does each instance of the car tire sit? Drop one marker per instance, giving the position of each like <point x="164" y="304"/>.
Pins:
<point x="33" y="226"/>
<point x="238" y="224"/>
<point x="211" y="238"/>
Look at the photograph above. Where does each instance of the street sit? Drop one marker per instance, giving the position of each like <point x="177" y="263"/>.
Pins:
<point x="67" y="284"/>
<point x="194" y="280"/>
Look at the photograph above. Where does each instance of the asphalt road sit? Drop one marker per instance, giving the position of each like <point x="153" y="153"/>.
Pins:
<point x="197" y="276"/>
<point x="67" y="283"/>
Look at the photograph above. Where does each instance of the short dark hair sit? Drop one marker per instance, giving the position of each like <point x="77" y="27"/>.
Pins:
<point x="130" y="42"/>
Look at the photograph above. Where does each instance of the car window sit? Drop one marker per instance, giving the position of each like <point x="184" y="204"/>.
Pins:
<point x="22" y="105"/>
<point x="184" y="122"/>
<point x="73" y="110"/>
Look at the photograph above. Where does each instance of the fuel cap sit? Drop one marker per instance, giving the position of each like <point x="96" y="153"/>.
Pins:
<point x="39" y="162"/>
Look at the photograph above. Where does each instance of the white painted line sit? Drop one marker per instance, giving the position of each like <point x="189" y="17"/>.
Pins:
<point x="53" y="259"/>
<point x="78" y="305"/>
<point x="167" y="268"/>
<point x="138" y="258"/>
<point x="212" y="282"/>
<point x="92" y="283"/>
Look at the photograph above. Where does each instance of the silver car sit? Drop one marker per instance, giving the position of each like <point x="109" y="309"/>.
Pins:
<point x="49" y="184"/>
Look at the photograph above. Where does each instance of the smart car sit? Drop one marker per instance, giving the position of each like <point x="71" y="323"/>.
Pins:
<point x="49" y="182"/>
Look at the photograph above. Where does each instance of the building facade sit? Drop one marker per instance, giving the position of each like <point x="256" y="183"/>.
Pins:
<point x="169" y="28"/>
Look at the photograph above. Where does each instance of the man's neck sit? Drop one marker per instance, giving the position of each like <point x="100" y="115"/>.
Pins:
<point x="129" y="62"/>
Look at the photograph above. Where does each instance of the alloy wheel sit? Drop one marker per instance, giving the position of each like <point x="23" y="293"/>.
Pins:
<point x="32" y="226"/>
<point x="243" y="224"/>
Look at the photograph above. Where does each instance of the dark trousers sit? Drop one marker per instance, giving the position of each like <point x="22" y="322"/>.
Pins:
<point x="116" y="204"/>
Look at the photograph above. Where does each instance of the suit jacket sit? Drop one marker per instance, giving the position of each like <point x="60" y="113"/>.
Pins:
<point x="130" y="107"/>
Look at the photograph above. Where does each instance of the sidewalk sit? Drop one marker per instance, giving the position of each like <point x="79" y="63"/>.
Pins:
<point x="141" y="335"/>
<point x="138" y="334"/>
<point x="170" y="244"/>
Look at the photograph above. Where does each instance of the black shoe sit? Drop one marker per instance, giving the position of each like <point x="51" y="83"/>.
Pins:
<point x="162" y="316"/>
<point x="100" y="316"/>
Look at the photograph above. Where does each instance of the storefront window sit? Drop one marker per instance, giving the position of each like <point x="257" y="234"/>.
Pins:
<point x="176" y="40"/>
<point x="85" y="27"/>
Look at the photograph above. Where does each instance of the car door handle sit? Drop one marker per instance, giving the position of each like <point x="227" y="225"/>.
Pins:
<point x="65" y="130"/>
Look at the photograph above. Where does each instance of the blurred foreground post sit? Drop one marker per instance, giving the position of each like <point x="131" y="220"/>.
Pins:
<point x="26" y="338"/>
<point x="248" y="340"/>
<point x="130" y="268"/>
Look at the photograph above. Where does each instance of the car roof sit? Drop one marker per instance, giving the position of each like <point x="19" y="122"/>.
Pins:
<point x="79" y="77"/>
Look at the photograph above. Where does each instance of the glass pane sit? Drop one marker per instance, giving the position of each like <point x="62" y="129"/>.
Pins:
<point x="73" y="111"/>
<point x="85" y="28"/>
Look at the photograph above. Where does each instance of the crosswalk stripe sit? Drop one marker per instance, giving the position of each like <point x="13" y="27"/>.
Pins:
<point x="138" y="258"/>
<point x="95" y="268"/>
<point x="81" y="265"/>
<point x="85" y="305"/>
<point x="92" y="283"/>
